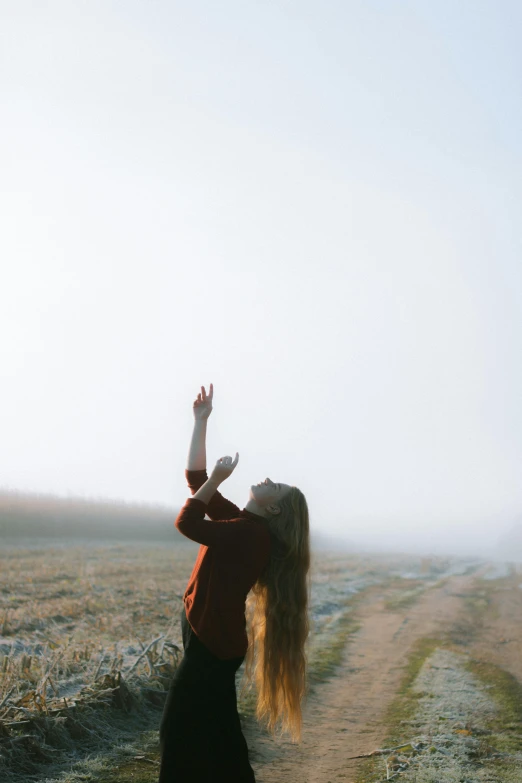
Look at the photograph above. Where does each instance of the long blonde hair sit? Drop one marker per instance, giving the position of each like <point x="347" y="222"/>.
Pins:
<point x="277" y="620"/>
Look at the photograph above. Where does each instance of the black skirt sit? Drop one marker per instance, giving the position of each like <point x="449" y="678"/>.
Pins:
<point x="201" y="740"/>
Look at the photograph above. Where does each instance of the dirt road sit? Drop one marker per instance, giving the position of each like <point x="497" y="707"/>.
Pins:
<point x="343" y="717"/>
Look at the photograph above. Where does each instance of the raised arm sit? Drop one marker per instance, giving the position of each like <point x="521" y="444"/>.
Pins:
<point x="218" y="507"/>
<point x="197" y="456"/>
<point x="191" y="522"/>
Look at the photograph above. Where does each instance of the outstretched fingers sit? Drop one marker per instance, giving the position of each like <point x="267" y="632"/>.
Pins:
<point x="204" y="394"/>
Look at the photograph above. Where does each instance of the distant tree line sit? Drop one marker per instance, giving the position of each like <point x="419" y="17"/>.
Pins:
<point x="42" y="515"/>
<point x="36" y="515"/>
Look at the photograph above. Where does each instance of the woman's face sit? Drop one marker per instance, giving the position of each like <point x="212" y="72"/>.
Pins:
<point x="267" y="493"/>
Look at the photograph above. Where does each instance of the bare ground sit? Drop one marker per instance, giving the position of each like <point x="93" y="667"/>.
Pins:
<point x="344" y="717"/>
<point x="500" y="638"/>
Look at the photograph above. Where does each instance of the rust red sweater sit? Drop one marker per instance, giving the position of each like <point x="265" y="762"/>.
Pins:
<point x="235" y="548"/>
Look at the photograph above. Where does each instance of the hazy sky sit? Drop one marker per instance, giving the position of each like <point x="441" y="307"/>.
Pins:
<point x="314" y="205"/>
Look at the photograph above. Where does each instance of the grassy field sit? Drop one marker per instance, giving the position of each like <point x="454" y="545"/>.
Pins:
<point x="90" y="637"/>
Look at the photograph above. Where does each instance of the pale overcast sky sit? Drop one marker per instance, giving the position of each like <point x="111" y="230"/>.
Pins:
<point x="314" y="205"/>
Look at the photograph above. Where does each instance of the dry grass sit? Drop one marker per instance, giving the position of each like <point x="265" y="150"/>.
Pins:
<point x="76" y="626"/>
<point x="90" y="637"/>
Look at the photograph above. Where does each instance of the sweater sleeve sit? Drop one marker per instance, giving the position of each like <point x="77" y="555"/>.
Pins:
<point x="218" y="507"/>
<point x="191" y="523"/>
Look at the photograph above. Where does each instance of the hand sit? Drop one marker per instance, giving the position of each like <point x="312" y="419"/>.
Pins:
<point x="203" y="404"/>
<point x="223" y="468"/>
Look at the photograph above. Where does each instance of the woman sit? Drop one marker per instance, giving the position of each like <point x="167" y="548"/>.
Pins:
<point x="257" y="560"/>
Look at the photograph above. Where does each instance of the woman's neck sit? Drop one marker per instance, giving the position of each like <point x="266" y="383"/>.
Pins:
<point x="255" y="509"/>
